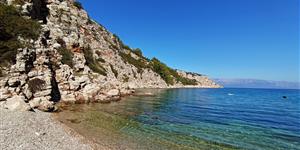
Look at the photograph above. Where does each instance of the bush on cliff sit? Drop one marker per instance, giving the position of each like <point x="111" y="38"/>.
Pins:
<point x="138" y="63"/>
<point x="163" y="70"/>
<point x="78" y="4"/>
<point x="36" y="85"/>
<point x="12" y="26"/>
<point x="92" y="63"/>
<point x="114" y="71"/>
<point x="67" y="56"/>
<point x="1" y="73"/>
<point x="168" y="74"/>
<point x="138" y="52"/>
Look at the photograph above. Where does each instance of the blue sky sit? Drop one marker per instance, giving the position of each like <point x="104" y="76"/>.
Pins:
<point x="220" y="38"/>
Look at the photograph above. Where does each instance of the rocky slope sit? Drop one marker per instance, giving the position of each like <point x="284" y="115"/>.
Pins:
<point x="76" y="60"/>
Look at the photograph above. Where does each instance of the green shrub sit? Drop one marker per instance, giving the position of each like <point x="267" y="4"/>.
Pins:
<point x="92" y="63"/>
<point x="36" y="85"/>
<point x="67" y="56"/>
<point x="1" y="73"/>
<point x="101" y="60"/>
<point x="114" y="71"/>
<point x="183" y="80"/>
<point x="163" y="70"/>
<point x="125" y="78"/>
<point x="124" y="46"/>
<point x="18" y="2"/>
<point x="13" y="25"/>
<point x="168" y="74"/>
<point x="78" y="4"/>
<point x="139" y="64"/>
<point x="138" y="52"/>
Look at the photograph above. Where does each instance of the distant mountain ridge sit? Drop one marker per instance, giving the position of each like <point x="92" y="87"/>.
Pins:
<point x="257" y="83"/>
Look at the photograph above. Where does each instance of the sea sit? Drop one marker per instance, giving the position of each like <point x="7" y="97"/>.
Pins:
<point x="192" y="119"/>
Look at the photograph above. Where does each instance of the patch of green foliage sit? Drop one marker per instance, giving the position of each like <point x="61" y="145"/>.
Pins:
<point x="124" y="46"/>
<point x="36" y="84"/>
<point x="18" y="2"/>
<point x="101" y="60"/>
<point x="184" y="81"/>
<point x="138" y="63"/>
<point x="168" y="74"/>
<point x="125" y="78"/>
<point x="67" y="56"/>
<point x="78" y="4"/>
<point x="13" y="25"/>
<point x="92" y="62"/>
<point x="138" y="52"/>
<point x="99" y="57"/>
<point x="163" y="70"/>
<point x="1" y="73"/>
<point x="114" y="71"/>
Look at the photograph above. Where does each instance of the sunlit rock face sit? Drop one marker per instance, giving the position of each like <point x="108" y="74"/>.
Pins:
<point x="75" y="60"/>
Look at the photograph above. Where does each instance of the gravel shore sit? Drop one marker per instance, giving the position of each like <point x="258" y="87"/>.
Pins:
<point x="36" y="131"/>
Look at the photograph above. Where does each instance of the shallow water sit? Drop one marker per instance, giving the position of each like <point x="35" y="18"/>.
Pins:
<point x="193" y="119"/>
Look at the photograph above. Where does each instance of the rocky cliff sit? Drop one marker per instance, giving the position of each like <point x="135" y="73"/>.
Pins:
<point x="73" y="59"/>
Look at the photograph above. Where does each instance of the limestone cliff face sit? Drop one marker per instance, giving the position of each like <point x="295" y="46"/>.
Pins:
<point x="76" y="60"/>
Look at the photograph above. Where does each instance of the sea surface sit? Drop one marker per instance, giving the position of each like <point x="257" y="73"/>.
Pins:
<point x="187" y="119"/>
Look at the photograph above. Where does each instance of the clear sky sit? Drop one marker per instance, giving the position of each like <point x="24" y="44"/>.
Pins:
<point x="220" y="38"/>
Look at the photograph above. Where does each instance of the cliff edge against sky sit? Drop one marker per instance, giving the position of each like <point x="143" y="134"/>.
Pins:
<point x="51" y="51"/>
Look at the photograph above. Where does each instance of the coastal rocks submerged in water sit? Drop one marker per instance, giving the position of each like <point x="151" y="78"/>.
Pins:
<point x="76" y="60"/>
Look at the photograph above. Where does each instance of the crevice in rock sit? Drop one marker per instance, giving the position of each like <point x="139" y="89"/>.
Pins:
<point x="29" y="62"/>
<point x="55" y="93"/>
<point x="39" y="10"/>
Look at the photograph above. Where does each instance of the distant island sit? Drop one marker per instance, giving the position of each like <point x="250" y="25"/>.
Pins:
<point x="256" y="83"/>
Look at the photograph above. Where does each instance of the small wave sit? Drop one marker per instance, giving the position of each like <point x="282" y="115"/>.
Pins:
<point x="230" y="94"/>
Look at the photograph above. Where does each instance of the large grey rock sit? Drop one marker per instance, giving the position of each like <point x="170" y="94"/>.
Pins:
<point x="47" y="106"/>
<point x="4" y="94"/>
<point x="113" y="92"/>
<point x="17" y="103"/>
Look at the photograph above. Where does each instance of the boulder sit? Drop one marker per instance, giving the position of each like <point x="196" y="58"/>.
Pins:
<point x="68" y="98"/>
<point x="4" y="94"/>
<point x="46" y="106"/>
<point x="113" y="92"/>
<point x="43" y="93"/>
<point x="17" y="103"/>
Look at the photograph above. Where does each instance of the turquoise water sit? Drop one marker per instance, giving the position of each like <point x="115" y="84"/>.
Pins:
<point x="194" y="119"/>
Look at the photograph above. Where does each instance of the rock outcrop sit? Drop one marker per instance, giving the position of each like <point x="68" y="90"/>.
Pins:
<point x="76" y="60"/>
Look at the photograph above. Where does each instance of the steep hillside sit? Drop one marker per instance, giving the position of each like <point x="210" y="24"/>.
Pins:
<point x="55" y="52"/>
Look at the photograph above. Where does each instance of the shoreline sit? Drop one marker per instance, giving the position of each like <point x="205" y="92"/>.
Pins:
<point x="37" y="130"/>
<point x="29" y="132"/>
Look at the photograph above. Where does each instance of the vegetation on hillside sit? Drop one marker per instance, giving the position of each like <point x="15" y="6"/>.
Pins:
<point x="12" y="26"/>
<point x="1" y="73"/>
<point x="78" y="4"/>
<point x="18" y="2"/>
<point x="138" y="52"/>
<point x="169" y="74"/>
<point x="36" y="85"/>
<point x="114" y="71"/>
<point x="92" y="62"/>
<point x="67" y="56"/>
<point x="140" y="64"/>
<point x="163" y="70"/>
